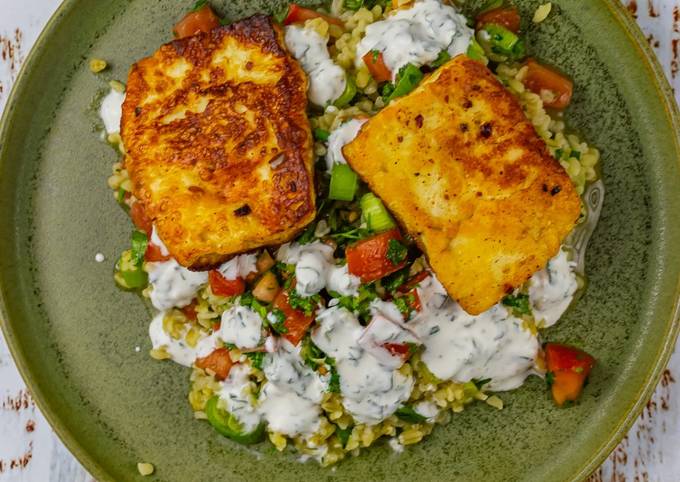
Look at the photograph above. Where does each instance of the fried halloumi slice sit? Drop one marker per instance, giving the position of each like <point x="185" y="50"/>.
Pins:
<point x="219" y="148"/>
<point x="464" y="171"/>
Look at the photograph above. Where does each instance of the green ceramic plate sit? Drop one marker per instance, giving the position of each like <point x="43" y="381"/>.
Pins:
<point x="73" y="334"/>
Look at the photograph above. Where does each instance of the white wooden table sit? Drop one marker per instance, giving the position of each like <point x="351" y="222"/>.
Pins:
<point x="29" y="450"/>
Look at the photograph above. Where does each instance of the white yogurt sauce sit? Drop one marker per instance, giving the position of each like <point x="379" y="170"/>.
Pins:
<point x="179" y="351"/>
<point x="156" y="240"/>
<point x="236" y="391"/>
<point x="371" y="391"/>
<point x="339" y="138"/>
<point x="241" y="326"/>
<point x="380" y="331"/>
<point x="552" y="289"/>
<point x="327" y="80"/>
<point x="239" y="266"/>
<point x="290" y="399"/>
<point x="462" y="347"/>
<point x="173" y="285"/>
<point x="315" y="269"/>
<point x="416" y="35"/>
<point x="110" y="111"/>
<point x="427" y="409"/>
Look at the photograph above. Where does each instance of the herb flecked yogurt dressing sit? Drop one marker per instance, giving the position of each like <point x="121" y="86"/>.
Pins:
<point x="416" y="35"/>
<point x="339" y="138"/>
<point x="178" y="350"/>
<point x="552" y="289"/>
<point x="327" y="80"/>
<point x="110" y="111"/>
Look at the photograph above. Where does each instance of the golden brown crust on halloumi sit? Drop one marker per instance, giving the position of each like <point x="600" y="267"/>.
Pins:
<point x="464" y="171"/>
<point x="219" y="147"/>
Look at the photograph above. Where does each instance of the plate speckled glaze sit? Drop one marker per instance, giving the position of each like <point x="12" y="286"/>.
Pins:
<point x="73" y="334"/>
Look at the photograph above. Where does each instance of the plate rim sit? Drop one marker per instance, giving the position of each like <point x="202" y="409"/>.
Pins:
<point x="629" y="416"/>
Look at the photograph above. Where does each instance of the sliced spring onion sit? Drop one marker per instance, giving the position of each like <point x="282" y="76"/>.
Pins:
<point x="353" y="4"/>
<point x="476" y="52"/>
<point x="139" y="243"/>
<point x="321" y="134"/>
<point x="229" y="426"/>
<point x="375" y="214"/>
<point x="348" y="94"/>
<point x="344" y="183"/>
<point x="128" y="273"/>
<point x="500" y="44"/>
<point x="441" y="59"/>
<point x="408" y="78"/>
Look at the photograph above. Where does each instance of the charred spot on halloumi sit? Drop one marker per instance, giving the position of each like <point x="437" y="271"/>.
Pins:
<point x="461" y="167"/>
<point x="219" y="148"/>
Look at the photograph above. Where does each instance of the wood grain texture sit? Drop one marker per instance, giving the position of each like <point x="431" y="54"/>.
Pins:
<point x="29" y="450"/>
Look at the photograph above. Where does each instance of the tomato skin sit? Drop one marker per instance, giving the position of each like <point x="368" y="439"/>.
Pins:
<point x="569" y="367"/>
<point x="218" y="361"/>
<point x="367" y="259"/>
<point x="398" y="349"/>
<point x="296" y="323"/>
<point x="413" y="282"/>
<point x="507" y="17"/>
<point x="140" y="219"/>
<point x="222" y="286"/>
<point x="298" y="14"/>
<point x="376" y="66"/>
<point x="190" y="311"/>
<point x="540" y="77"/>
<point x="202" y="20"/>
<point x="154" y="254"/>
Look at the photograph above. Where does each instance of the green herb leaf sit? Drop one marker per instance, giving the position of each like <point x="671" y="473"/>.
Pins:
<point x="308" y="235"/>
<point x="395" y="280"/>
<point x="353" y="4"/>
<point x="334" y="382"/>
<point x="403" y="303"/>
<point x="280" y="16"/>
<point x="408" y="78"/>
<point x="139" y="243"/>
<point x="321" y="135"/>
<point x="480" y="383"/>
<point x="307" y="304"/>
<point x="549" y="379"/>
<point x="256" y="359"/>
<point x="276" y="319"/>
<point x="311" y="354"/>
<point x="396" y="252"/>
<point x="441" y="59"/>
<point x="343" y="434"/>
<point x="519" y="303"/>
<point x="576" y="155"/>
<point x="408" y="414"/>
<point x="198" y="5"/>
<point x="375" y="54"/>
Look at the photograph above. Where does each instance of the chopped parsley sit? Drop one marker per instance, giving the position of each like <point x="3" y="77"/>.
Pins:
<point x="343" y="434"/>
<point x="256" y="359"/>
<point x="396" y="252"/>
<point x="549" y="379"/>
<point x="277" y="321"/>
<point x="308" y="235"/>
<point x="198" y="5"/>
<point x="519" y="303"/>
<point x="247" y="299"/>
<point x="311" y="354"/>
<point x="360" y="304"/>
<point x="395" y="280"/>
<point x="334" y="382"/>
<point x="576" y="155"/>
<point x="306" y="304"/>
<point x="480" y="383"/>
<point x="405" y="303"/>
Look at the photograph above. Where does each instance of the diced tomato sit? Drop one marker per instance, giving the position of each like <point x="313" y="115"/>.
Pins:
<point x="298" y="14"/>
<point x="216" y="325"/>
<point x="398" y="349"/>
<point x="368" y="260"/>
<point x="413" y="282"/>
<point x="140" y="219"/>
<point x="218" y="362"/>
<point x="376" y="66"/>
<point x="542" y="78"/>
<point x="190" y="311"/>
<point x="154" y="253"/>
<point x="202" y="20"/>
<point x="569" y="368"/>
<point x="413" y="300"/>
<point x="296" y="323"/>
<point x="222" y="286"/>
<point x="507" y="17"/>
